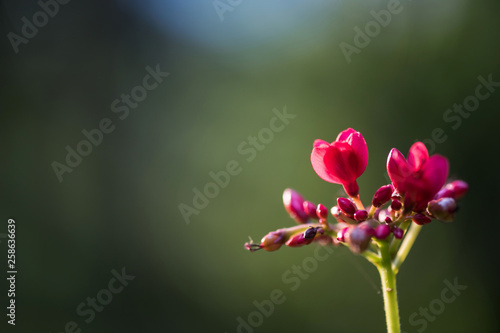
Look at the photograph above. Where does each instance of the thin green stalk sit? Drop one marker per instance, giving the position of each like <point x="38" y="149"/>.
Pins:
<point x="406" y="246"/>
<point x="388" y="278"/>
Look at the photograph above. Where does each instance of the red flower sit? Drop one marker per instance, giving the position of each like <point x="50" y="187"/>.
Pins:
<point x="342" y="161"/>
<point x="419" y="178"/>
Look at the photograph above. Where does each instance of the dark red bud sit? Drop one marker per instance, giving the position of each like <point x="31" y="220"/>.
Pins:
<point x="398" y="232"/>
<point x="388" y="220"/>
<point x="396" y="204"/>
<point x="294" y="205"/>
<point x="310" y="209"/>
<point x="361" y="215"/>
<point x="382" y="195"/>
<point x="346" y="206"/>
<point x="443" y="209"/>
<point x="456" y="190"/>
<point x="321" y="212"/>
<point x="359" y="238"/>
<point x="382" y="231"/>
<point x="421" y="219"/>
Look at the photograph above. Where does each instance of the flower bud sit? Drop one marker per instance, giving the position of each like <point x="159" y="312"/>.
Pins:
<point x="361" y="215"/>
<point x="388" y="220"/>
<point x="456" y="190"/>
<point x="382" y="231"/>
<point x="273" y="240"/>
<point x="398" y="232"/>
<point x="421" y="219"/>
<point x="382" y="195"/>
<point x="359" y="238"/>
<point x="294" y="205"/>
<point x="346" y="206"/>
<point x="303" y="238"/>
<point x="443" y="209"/>
<point x="310" y="209"/>
<point x="396" y="204"/>
<point x="321" y="212"/>
<point x="341" y="235"/>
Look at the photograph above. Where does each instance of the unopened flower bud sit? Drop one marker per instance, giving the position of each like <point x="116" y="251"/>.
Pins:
<point x="321" y="212"/>
<point x="341" y="235"/>
<point x="388" y="220"/>
<point x="396" y="204"/>
<point x="273" y="240"/>
<point x="382" y="195"/>
<point x="382" y="231"/>
<point x="310" y="209"/>
<point x="303" y="238"/>
<point x="359" y="238"/>
<point x="346" y="206"/>
<point x="361" y="215"/>
<point x="443" y="209"/>
<point x="421" y="219"/>
<point x="294" y="205"/>
<point x="398" y="232"/>
<point x="456" y="190"/>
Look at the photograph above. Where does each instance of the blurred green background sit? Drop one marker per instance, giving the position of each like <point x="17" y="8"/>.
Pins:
<point x="120" y="206"/>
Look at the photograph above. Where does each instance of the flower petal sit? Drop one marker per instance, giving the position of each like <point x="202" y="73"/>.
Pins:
<point x="319" y="166"/>
<point x="358" y="144"/>
<point x="342" y="162"/>
<point x="320" y="143"/>
<point x="345" y="134"/>
<point x="435" y="173"/>
<point x="418" y="155"/>
<point x="398" y="170"/>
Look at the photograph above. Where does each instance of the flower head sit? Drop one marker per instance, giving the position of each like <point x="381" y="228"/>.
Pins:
<point x="342" y="161"/>
<point x="419" y="177"/>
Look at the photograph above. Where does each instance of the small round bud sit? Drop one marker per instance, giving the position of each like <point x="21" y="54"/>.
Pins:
<point x="346" y="206"/>
<point x="321" y="212"/>
<point x="382" y="195"/>
<point x="359" y="239"/>
<point x="443" y="209"/>
<point x="302" y="238"/>
<point x="361" y="215"/>
<point x="382" y="231"/>
<point x="388" y="220"/>
<point x="396" y="204"/>
<point x="398" y="232"/>
<point x="421" y="219"/>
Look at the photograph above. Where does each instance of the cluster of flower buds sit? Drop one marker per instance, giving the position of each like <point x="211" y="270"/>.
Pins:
<point x="417" y="193"/>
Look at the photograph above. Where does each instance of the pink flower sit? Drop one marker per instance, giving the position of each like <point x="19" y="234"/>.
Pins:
<point x="342" y="161"/>
<point x="419" y="177"/>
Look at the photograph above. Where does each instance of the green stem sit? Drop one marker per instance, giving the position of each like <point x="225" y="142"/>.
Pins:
<point x="388" y="278"/>
<point x="406" y="246"/>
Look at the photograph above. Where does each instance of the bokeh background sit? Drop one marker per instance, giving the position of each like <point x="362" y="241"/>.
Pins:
<point x="227" y="72"/>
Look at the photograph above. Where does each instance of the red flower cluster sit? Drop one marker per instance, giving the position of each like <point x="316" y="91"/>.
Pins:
<point x="418" y="193"/>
